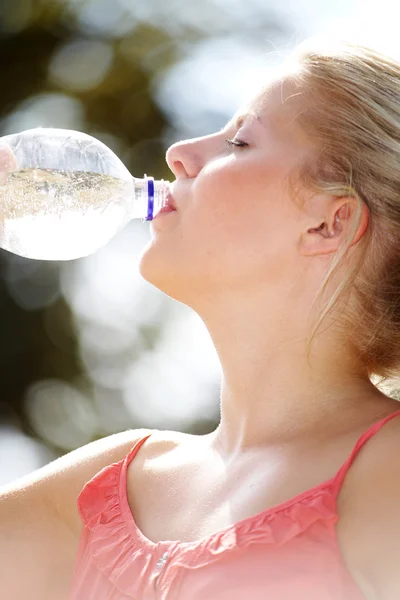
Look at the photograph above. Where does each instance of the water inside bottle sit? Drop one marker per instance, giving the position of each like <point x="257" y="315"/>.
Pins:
<point x="52" y="214"/>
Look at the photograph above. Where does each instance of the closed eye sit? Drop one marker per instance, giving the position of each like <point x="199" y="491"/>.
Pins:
<point x="236" y="143"/>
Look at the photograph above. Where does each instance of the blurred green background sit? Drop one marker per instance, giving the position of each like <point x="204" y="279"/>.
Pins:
<point x="87" y="348"/>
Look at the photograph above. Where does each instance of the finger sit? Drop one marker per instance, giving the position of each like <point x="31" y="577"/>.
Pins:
<point x="8" y="162"/>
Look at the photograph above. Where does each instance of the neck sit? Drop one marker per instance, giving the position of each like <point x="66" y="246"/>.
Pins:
<point x="270" y="392"/>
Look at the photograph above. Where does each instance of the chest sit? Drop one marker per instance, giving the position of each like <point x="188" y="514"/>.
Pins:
<point x="183" y="498"/>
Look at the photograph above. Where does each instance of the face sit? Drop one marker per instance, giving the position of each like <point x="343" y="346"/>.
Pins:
<point x="236" y="225"/>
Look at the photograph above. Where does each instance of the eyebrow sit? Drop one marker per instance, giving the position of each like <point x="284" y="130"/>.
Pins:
<point x="241" y="119"/>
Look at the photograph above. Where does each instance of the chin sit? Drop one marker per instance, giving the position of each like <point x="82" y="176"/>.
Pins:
<point x="160" y="272"/>
<point x="174" y="272"/>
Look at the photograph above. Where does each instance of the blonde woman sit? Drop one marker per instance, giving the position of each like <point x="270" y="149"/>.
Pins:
<point x="286" y="242"/>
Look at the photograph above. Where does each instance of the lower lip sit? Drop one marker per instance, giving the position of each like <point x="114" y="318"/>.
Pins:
<point x="164" y="210"/>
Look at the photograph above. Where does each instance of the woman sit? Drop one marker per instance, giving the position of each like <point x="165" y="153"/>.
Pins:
<point x="285" y="242"/>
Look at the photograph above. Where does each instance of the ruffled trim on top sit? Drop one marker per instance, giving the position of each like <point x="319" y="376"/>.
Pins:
<point x="111" y="544"/>
<point x="273" y="527"/>
<point x="115" y="542"/>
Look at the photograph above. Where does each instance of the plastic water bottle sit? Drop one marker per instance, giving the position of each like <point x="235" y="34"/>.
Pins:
<point x="64" y="194"/>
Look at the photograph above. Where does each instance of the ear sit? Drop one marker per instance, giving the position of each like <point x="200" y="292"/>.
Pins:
<point x="331" y="233"/>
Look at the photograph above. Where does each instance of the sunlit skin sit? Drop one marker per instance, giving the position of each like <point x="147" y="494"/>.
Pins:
<point x="250" y="260"/>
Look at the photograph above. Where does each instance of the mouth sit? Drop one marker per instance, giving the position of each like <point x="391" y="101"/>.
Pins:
<point x="170" y="201"/>
<point x="169" y="206"/>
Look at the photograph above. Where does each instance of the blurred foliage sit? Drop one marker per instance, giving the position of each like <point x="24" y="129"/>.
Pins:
<point x="92" y="65"/>
<point x="41" y="342"/>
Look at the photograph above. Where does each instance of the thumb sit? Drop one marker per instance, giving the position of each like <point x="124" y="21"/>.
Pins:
<point x="8" y="162"/>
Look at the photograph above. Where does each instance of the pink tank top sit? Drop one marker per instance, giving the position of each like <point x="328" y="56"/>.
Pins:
<point x="286" y="552"/>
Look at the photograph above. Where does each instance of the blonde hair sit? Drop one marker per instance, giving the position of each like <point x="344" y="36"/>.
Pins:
<point x="351" y="96"/>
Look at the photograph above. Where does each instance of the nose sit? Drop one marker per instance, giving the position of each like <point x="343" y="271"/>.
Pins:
<point x="183" y="158"/>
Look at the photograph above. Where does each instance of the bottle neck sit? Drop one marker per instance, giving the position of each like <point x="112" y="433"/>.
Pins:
<point x="150" y="196"/>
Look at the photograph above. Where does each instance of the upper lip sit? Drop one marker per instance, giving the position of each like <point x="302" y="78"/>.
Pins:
<point x="170" y="200"/>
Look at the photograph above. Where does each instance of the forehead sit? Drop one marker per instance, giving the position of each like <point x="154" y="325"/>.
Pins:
<point x="278" y="96"/>
<point x="276" y="106"/>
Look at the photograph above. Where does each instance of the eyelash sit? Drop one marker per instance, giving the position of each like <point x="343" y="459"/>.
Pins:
<point x="236" y="143"/>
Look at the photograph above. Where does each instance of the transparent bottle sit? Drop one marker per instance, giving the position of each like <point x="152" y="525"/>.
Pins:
<point x="64" y="194"/>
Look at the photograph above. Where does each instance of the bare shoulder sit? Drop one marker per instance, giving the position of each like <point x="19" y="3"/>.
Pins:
<point x="163" y="441"/>
<point x="159" y="460"/>
<point x="40" y="523"/>
<point x="60" y="482"/>
<point x="160" y="451"/>
<point x="368" y="507"/>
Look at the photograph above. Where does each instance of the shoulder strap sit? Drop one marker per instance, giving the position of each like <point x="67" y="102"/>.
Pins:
<point x="100" y="493"/>
<point x="124" y="467"/>
<point x="338" y="480"/>
<point x="135" y="449"/>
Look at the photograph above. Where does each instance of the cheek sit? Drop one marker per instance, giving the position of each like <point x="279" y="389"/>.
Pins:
<point x="233" y="228"/>
<point x="233" y="231"/>
<point x="241" y="203"/>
